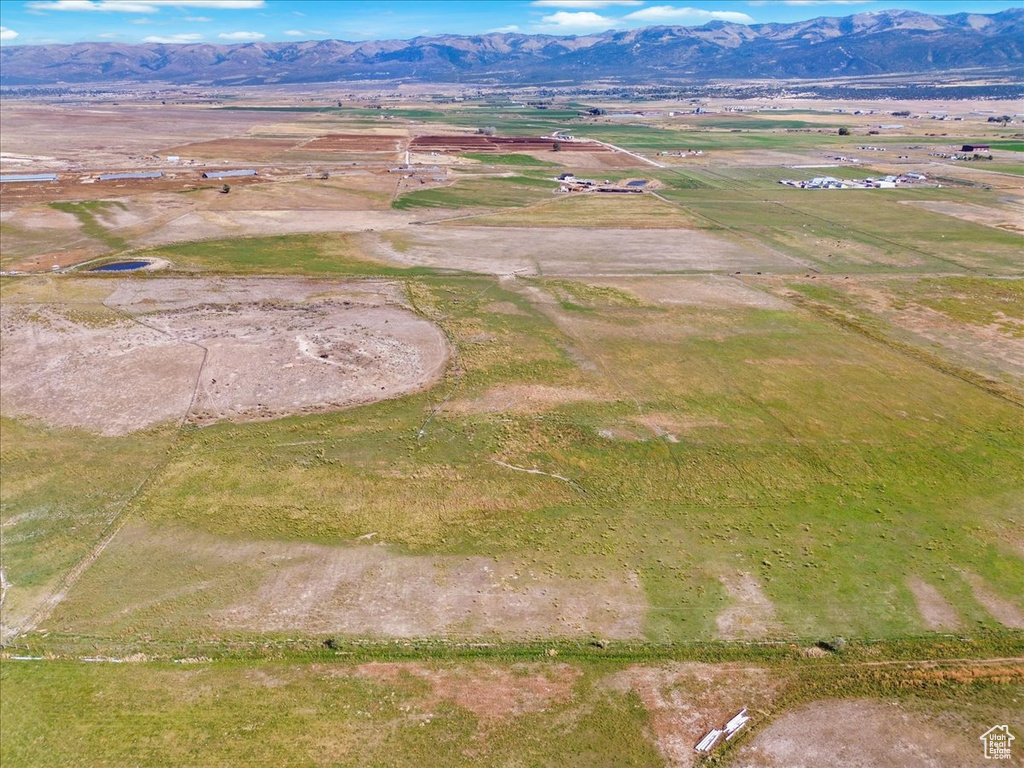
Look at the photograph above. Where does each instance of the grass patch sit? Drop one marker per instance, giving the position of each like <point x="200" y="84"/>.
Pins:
<point x="483" y="192"/>
<point x="591" y="210"/>
<point x="60" y="491"/>
<point x="975" y="301"/>
<point x="90" y="214"/>
<point x="826" y="464"/>
<point x="513" y="159"/>
<point x="281" y="255"/>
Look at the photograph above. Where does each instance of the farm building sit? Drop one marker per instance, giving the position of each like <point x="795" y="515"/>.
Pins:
<point x="228" y="174"/>
<point x="133" y="175"/>
<point x="975" y="148"/>
<point x="27" y="177"/>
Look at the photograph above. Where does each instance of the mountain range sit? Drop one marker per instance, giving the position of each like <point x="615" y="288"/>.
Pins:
<point x="865" y="44"/>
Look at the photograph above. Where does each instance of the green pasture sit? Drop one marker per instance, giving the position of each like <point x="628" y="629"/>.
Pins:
<point x="484" y="192"/>
<point x="90" y="215"/>
<point x="514" y="159"/>
<point x="827" y="464"/>
<point x="155" y="713"/>
<point x="331" y="254"/>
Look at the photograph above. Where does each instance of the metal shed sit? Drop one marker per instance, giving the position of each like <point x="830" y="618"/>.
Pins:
<point x="132" y="175"/>
<point x="24" y="177"/>
<point x="228" y="174"/>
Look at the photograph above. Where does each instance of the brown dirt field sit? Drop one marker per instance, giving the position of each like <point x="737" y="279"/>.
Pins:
<point x="1004" y="611"/>
<point x="699" y="290"/>
<point x="164" y="574"/>
<point x="211" y="361"/>
<point x="490" y="692"/>
<point x="523" y="398"/>
<point x="856" y="734"/>
<point x="83" y="135"/>
<point x="1008" y="216"/>
<point x="568" y="252"/>
<point x="251" y="149"/>
<point x="368" y="591"/>
<point x="60" y="371"/>
<point x="685" y="701"/>
<point x="597" y="162"/>
<point x="211" y="225"/>
<point x="751" y="615"/>
<point x="936" y="611"/>
<point x="354" y="142"/>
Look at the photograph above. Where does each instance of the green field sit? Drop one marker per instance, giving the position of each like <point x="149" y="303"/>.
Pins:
<point x="486" y="192"/>
<point x="723" y="444"/>
<point x="509" y="159"/>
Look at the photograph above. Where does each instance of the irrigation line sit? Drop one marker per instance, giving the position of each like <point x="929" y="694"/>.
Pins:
<point x="915" y="353"/>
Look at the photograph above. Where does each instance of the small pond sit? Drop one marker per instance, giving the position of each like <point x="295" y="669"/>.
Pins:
<point x="121" y="266"/>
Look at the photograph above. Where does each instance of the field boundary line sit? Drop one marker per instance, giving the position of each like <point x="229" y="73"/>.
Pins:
<point x="911" y="351"/>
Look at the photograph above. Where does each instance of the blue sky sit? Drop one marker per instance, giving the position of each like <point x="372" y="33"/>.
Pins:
<point x="34" y="22"/>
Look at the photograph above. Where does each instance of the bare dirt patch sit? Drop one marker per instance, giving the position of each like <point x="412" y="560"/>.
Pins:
<point x="214" y="224"/>
<point x="1005" y="612"/>
<point x="671" y="425"/>
<point x="936" y="611"/>
<point x="699" y="291"/>
<point x="1009" y="216"/>
<point x="751" y="614"/>
<point x="369" y="591"/>
<point x="113" y="379"/>
<point x="211" y="360"/>
<point x="490" y="692"/>
<point x="355" y="142"/>
<point x="503" y="308"/>
<point x="685" y="701"/>
<point x="865" y="734"/>
<point x="523" y="398"/>
<point x="245" y="149"/>
<point x="579" y="251"/>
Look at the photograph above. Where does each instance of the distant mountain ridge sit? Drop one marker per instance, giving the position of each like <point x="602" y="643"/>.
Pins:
<point x="876" y="43"/>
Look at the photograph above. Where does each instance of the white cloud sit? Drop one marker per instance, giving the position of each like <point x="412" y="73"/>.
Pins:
<point x="7" y="34"/>
<point x="172" y="38"/>
<point x="198" y="19"/>
<point x="140" y="21"/>
<point x="509" y="28"/>
<point x="140" y="6"/>
<point x="122" y="6"/>
<point x="583" y="3"/>
<point x="241" y="36"/>
<point x="672" y="13"/>
<point x="582" y="21"/>
<point x="306" y="32"/>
